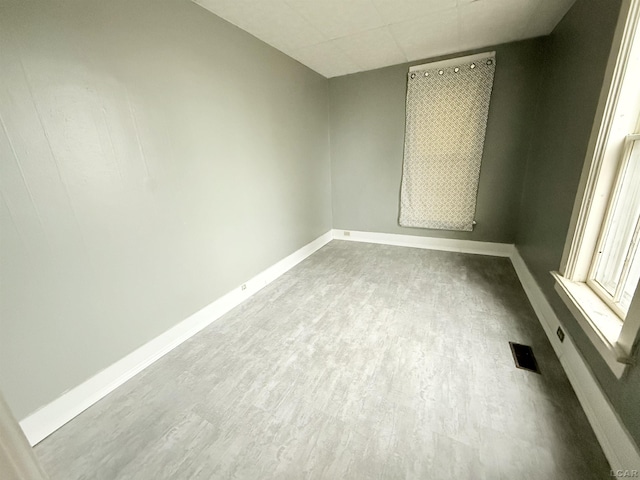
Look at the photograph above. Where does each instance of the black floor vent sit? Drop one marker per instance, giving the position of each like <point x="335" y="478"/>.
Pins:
<point x="524" y="358"/>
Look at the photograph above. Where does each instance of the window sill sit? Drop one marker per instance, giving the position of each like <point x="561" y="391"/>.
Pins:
<point x="598" y="321"/>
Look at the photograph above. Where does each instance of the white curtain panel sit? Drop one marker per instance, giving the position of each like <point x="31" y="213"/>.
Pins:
<point x="447" y="109"/>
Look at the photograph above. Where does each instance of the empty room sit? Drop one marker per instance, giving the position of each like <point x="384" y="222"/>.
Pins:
<point x="319" y="239"/>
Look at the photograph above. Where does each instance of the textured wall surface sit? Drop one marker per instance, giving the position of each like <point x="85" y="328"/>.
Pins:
<point x="153" y="157"/>
<point x="367" y="138"/>
<point x="573" y="74"/>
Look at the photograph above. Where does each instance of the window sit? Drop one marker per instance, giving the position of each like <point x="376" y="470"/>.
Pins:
<point x="616" y="266"/>
<point x="600" y="269"/>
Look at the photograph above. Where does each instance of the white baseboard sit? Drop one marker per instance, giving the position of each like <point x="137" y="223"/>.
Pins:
<point x="617" y="444"/>
<point x="546" y="315"/>
<point x="52" y="416"/>
<point x="429" y="243"/>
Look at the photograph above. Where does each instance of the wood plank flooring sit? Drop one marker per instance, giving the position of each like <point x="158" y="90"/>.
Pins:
<point x="363" y="362"/>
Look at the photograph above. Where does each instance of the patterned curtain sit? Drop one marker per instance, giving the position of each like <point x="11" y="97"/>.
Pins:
<point x="445" y="127"/>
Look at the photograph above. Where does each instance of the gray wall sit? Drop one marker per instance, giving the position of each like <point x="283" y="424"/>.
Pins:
<point x="574" y="70"/>
<point x="367" y="114"/>
<point x="153" y="157"/>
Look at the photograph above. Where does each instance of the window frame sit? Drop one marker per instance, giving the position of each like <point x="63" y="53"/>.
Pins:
<point x="613" y="338"/>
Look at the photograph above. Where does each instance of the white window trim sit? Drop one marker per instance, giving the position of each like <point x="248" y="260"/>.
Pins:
<point x="599" y="322"/>
<point x="613" y="338"/>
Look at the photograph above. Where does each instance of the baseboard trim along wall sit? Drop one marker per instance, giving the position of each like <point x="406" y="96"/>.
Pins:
<point x="52" y="416"/>
<point x="429" y="243"/>
<point x="617" y="444"/>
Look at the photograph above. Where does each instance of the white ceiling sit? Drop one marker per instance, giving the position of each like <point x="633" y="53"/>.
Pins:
<point x="337" y="37"/>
